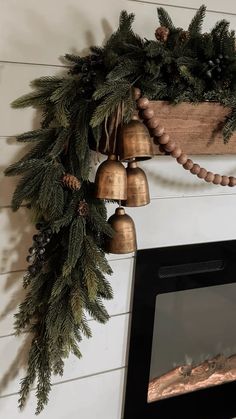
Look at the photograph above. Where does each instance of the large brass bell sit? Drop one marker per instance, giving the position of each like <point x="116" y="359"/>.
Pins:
<point x="111" y="180"/>
<point x="135" y="142"/>
<point x="137" y="186"/>
<point x="124" y="239"/>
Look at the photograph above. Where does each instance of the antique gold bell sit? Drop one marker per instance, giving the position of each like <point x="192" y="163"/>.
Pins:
<point x="124" y="239"/>
<point x="135" y="142"/>
<point x="137" y="186"/>
<point x="111" y="180"/>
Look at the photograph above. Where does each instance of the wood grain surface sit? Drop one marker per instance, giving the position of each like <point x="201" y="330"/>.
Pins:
<point x="197" y="128"/>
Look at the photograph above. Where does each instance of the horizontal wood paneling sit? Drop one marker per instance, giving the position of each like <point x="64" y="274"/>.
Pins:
<point x="172" y="222"/>
<point x="106" y="350"/>
<point x="212" y="5"/>
<point x="93" y="397"/>
<point x="42" y="31"/>
<point x="16" y="238"/>
<point x="14" y="82"/>
<point x="12" y="293"/>
<point x="167" y="178"/>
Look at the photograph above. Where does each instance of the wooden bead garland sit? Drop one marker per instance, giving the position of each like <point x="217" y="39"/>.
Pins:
<point x="188" y="165"/>
<point x="164" y="139"/>
<point x="148" y="113"/>
<point x="153" y="123"/>
<point x="158" y="132"/>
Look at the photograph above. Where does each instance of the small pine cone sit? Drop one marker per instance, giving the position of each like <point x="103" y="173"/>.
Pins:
<point x="184" y="35"/>
<point x="83" y="209"/>
<point x="72" y="182"/>
<point x="162" y="33"/>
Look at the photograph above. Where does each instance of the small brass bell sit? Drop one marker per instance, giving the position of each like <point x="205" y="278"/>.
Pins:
<point x="111" y="180"/>
<point x="137" y="186"/>
<point x="135" y="142"/>
<point x="124" y="239"/>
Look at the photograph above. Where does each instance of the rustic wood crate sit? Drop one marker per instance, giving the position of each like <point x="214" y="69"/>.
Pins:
<point x="196" y="127"/>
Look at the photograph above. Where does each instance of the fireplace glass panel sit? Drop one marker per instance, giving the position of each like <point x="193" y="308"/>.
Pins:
<point x="194" y="341"/>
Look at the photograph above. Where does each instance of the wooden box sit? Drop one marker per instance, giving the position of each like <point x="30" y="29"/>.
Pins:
<point x="196" y="127"/>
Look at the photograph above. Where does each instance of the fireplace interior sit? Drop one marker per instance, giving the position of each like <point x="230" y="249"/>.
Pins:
<point x="182" y="355"/>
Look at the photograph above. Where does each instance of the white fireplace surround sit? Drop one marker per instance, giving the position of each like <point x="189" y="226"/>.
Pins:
<point x="183" y="209"/>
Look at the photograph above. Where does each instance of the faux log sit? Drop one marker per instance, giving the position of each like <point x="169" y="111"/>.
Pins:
<point x="197" y="128"/>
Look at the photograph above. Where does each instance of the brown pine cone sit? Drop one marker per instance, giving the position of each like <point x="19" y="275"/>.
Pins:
<point x="162" y="33"/>
<point x="184" y="35"/>
<point x="71" y="181"/>
<point x="83" y="209"/>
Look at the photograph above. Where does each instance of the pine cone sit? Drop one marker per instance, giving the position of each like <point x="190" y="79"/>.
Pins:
<point x="162" y="33"/>
<point x="83" y="209"/>
<point x="184" y="35"/>
<point x="71" y="181"/>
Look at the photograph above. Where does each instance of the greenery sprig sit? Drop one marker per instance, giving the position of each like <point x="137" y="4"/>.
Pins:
<point x="67" y="279"/>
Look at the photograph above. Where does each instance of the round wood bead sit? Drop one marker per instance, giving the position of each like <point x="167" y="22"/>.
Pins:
<point x="152" y="123"/>
<point x="170" y="146"/>
<point x="209" y="177"/>
<point x="143" y="103"/>
<point x="176" y="152"/>
<point x="232" y="181"/>
<point x="195" y="169"/>
<point x="148" y="113"/>
<point x="159" y="131"/>
<point x="182" y="158"/>
<point x="202" y="173"/>
<point x="137" y="93"/>
<point x="217" y="179"/>
<point x="188" y="165"/>
<point x="224" y="181"/>
<point x="164" y="139"/>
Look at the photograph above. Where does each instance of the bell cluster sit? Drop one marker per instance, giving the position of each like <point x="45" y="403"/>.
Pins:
<point x="128" y="186"/>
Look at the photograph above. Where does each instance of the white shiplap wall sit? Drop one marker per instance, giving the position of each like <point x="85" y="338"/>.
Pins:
<point x="183" y="210"/>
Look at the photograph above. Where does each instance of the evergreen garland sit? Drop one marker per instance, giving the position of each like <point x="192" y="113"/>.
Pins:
<point x="67" y="277"/>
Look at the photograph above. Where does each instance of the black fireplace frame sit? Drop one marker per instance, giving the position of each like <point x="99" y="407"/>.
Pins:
<point x="218" y="402"/>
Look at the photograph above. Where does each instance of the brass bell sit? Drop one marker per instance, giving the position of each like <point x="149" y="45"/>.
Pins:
<point x="135" y="142"/>
<point x="111" y="180"/>
<point x="137" y="186"/>
<point x="124" y="239"/>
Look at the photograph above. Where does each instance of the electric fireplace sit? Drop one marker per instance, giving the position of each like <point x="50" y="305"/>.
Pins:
<point x="182" y="354"/>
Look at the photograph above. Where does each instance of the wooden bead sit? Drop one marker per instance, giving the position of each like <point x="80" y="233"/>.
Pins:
<point x="188" y="165"/>
<point x="232" y="181"/>
<point x="202" y="173"/>
<point x="143" y="103"/>
<point x="176" y="152"/>
<point x="182" y="158"/>
<point x="157" y="132"/>
<point x="195" y="169"/>
<point x="137" y="93"/>
<point x="164" y="139"/>
<point x="217" y="179"/>
<point x="153" y="122"/>
<point x="170" y="146"/>
<point x="209" y="177"/>
<point x="224" y="181"/>
<point x="148" y="113"/>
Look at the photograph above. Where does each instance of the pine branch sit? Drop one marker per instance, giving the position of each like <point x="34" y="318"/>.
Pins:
<point x="111" y="102"/>
<point x="195" y="26"/>
<point x="164" y="18"/>
<point x="74" y="246"/>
